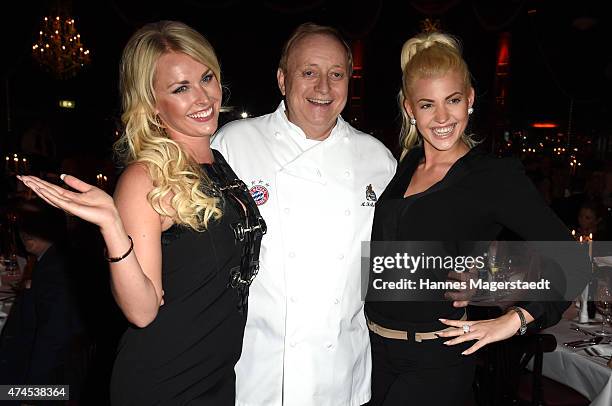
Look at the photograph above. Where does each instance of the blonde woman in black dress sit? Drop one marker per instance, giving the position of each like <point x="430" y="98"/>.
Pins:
<point x="446" y="190"/>
<point x="182" y="233"/>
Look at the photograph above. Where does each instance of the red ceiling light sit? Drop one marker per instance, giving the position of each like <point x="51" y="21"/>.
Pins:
<point x="544" y="125"/>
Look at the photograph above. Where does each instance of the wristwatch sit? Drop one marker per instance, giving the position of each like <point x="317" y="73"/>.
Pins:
<point x="523" y="329"/>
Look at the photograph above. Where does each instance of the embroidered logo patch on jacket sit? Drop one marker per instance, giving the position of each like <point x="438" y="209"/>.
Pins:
<point x="370" y="197"/>
<point x="259" y="191"/>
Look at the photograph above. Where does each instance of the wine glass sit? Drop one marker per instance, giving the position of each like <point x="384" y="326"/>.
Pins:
<point x="603" y="304"/>
<point x="11" y="275"/>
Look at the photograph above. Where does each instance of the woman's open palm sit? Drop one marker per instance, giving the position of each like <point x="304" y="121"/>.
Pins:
<point x="88" y="202"/>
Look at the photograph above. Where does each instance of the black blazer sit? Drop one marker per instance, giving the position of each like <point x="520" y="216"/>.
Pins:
<point x="36" y="338"/>
<point x="479" y="196"/>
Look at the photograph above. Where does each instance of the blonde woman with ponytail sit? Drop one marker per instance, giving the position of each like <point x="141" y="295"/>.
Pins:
<point x="445" y="189"/>
<point x="182" y="232"/>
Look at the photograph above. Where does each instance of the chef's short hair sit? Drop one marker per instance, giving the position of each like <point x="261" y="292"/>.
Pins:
<point x="306" y="29"/>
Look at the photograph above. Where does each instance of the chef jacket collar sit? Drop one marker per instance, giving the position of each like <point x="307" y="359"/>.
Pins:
<point x="298" y="134"/>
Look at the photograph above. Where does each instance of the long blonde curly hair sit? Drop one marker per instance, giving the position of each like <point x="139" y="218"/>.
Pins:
<point x="429" y="54"/>
<point x="172" y="171"/>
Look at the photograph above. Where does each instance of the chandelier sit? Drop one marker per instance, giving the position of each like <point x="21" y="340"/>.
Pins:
<point x="59" y="49"/>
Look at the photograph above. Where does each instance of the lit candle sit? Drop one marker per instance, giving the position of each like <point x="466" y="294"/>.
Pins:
<point x="574" y="233"/>
<point x="101" y="180"/>
<point x="591" y="245"/>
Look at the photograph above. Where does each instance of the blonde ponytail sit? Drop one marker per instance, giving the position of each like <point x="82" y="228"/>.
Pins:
<point x="427" y="55"/>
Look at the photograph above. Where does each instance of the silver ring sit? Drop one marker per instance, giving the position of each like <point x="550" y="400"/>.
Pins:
<point x="466" y="328"/>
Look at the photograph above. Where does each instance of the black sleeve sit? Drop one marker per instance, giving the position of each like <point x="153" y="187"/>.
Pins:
<point x="520" y="208"/>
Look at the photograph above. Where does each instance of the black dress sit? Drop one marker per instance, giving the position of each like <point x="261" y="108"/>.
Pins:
<point x="478" y="197"/>
<point x="186" y="356"/>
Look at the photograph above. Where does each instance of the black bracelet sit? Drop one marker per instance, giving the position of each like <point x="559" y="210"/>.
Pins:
<point x="117" y="259"/>
<point x="523" y="329"/>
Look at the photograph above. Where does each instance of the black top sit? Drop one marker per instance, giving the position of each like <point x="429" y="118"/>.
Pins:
<point x="478" y="197"/>
<point x="187" y="354"/>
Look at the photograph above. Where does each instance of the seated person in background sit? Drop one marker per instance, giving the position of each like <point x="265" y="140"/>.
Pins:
<point x="35" y="342"/>
<point x="591" y="221"/>
<point x="568" y="207"/>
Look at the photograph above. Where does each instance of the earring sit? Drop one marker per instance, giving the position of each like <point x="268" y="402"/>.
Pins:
<point x="159" y="126"/>
<point x="413" y="121"/>
<point x="158" y="121"/>
<point x="470" y="110"/>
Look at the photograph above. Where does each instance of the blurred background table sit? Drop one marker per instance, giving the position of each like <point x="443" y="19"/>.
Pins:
<point x="589" y="375"/>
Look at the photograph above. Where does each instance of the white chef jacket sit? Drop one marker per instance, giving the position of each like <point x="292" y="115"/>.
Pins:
<point x="306" y="341"/>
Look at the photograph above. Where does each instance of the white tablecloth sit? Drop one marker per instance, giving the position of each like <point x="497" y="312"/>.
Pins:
<point x="2" y="320"/>
<point x="573" y="367"/>
<point x="5" y="304"/>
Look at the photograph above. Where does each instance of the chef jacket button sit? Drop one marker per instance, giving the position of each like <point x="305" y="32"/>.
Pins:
<point x="292" y="299"/>
<point x="341" y="257"/>
<point x="292" y="254"/>
<point x="336" y="301"/>
<point x="287" y="210"/>
<point x="292" y="344"/>
<point x="329" y="346"/>
<point x="347" y="212"/>
<point x="346" y="138"/>
<point x="277" y="134"/>
<point x="347" y="173"/>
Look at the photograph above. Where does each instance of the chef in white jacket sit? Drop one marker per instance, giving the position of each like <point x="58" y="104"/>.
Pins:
<point x="316" y="180"/>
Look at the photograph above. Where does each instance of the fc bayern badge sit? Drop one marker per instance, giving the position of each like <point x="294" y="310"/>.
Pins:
<point x="260" y="194"/>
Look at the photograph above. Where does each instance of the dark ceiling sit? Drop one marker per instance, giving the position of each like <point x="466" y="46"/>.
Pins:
<point x="560" y="51"/>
